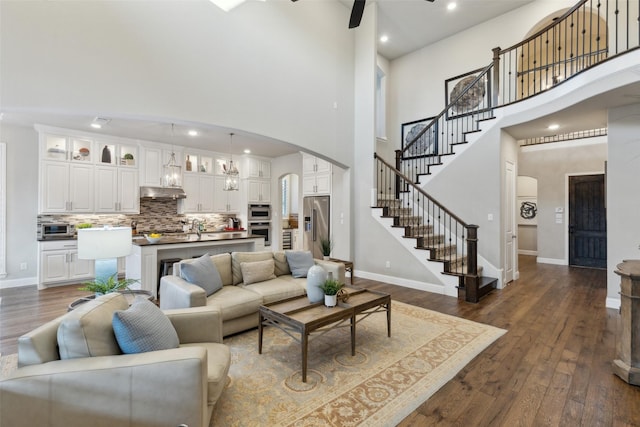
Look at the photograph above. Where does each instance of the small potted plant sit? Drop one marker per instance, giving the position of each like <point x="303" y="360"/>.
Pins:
<point x="326" y="245"/>
<point x="330" y="287"/>
<point x="101" y="286"/>
<point x="128" y="159"/>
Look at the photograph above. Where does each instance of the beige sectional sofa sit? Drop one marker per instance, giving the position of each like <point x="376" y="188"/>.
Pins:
<point x="240" y="298"/>
<point x="107" y="388"/>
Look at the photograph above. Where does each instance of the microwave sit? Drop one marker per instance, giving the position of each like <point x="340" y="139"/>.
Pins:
<point x="259" y="213"/>
<point x="55" y="230"/>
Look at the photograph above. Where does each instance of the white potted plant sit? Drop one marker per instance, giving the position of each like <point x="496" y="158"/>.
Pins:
<point x="330" y="287"/>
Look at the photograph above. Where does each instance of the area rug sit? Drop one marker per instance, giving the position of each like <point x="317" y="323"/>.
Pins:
<point x="384" y="382"/>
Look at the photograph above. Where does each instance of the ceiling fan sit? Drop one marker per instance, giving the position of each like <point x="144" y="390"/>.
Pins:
<point x="357" y="11"/>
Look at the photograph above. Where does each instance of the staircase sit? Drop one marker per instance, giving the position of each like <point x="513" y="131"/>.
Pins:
<point x="570" y="45"/>
<point x="440" y="237"/>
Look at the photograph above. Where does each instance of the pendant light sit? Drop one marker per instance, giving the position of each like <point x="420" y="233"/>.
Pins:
<point x="231" y="174"/>
<point x="172" y="172"/>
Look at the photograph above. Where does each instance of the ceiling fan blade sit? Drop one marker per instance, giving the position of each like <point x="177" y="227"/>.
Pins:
<point x="356" y="13"/>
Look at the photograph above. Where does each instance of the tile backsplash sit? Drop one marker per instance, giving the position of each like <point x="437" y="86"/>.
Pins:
<point x="155" y="215"/>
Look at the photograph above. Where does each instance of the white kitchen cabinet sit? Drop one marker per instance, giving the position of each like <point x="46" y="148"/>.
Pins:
<point x="152" y="161"/>
<point x="200" y="194"/>
<point x="258" y="168"/>
<point x="66" y="187"/>
<point x="225" y="201"/>
<point x="59" y="263"/>
<point x="312" y="164"/>
<point x="258" y="190"/>
<point x="316" y="179"/>
<point x="66" y="148"/>
<point x="116" y="190"/>
<point x="317" y="184"/>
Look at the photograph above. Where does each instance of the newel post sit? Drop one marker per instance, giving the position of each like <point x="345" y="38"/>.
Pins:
<point x="471" y="282"/>
<point x="495" y="89"/>
<point x="398" y="166"/>
<point x="627" y="362"/>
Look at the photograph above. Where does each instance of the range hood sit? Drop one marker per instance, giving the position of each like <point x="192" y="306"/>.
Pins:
<point x="162" y="193"/>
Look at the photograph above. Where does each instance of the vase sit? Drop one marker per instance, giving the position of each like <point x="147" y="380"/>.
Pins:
<point x="330" y="300"/>
<point x="106" y="154"/>
<point x="326" y="257"/>
<point x="315" y="277"/>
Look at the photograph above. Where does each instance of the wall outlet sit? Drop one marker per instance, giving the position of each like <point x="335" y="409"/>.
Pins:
<point x="23" y="266"/>
<point x="387" y="264"/>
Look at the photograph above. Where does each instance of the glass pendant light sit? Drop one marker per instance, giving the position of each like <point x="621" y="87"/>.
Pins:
<point x="172" y="172"/>
<point x="231" y="174"/>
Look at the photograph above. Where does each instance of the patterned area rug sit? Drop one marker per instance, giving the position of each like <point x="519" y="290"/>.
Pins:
<point x="384" y="382"/>
<point x="8" y="364"/>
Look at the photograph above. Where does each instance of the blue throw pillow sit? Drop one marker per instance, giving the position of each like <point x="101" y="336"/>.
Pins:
<point x="299" y="262"/>
<point x="143" y="327"/>
<point x="202" y="272"/>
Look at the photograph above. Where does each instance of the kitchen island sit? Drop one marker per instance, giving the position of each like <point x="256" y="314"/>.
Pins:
<point x="144" y="261"/>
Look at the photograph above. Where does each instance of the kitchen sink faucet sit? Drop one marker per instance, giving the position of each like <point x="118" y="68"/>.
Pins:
<point x="196" y="225"/>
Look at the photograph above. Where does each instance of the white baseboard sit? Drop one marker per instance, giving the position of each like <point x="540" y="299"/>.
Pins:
<point x="407" y="283"/>
<point x="526" y="252"/>
<point x="613" y="303"/>
<point x="555" y="261"/>
<point x="15" y="283"/>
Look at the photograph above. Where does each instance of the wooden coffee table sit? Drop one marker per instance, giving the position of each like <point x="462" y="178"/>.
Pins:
<point x="298" y="316"/>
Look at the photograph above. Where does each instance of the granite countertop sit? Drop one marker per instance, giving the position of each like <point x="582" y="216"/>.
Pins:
<point x="168" y="239"/>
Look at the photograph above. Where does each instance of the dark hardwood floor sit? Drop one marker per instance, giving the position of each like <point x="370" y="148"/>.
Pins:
<point x="552" y="367"/>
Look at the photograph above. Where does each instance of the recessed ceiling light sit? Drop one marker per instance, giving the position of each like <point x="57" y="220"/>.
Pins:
<point x="384" y="38"/>
<point x="227" y="5"/>
<point x="98" y="122"/>
<point x="452" y="5"/>
<point x="553" y="127"/>
<point x="247" y="151"/>
<point x="193" y="132"/>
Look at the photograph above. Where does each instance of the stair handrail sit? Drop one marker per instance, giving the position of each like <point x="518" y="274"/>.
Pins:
<point x="621" y="21"/>
<point x="451" y="104"/>
<point x="420" y="190"/>
<point x="438" y="219"/>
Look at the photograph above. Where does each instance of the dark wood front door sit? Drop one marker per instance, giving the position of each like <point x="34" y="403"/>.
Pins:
<point x="587" y="221"/>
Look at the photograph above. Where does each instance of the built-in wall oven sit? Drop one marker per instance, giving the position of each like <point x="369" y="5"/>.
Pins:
<point x="259" y="213"/>
<point x="261" y="229"/>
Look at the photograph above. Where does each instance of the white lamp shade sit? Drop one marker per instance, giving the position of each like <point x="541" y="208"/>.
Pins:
<point x="101" y="243"/>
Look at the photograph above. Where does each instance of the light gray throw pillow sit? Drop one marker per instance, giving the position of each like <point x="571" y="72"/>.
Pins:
<point x="202" y="272"/>
<point x="299" y="262"/>
<point x="143" y="327"/>
<point x="257" y="271"/>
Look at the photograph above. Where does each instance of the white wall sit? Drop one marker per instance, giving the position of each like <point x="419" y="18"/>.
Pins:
<point x="22" y="203"/>
<point x="623" y="204"/>
<point x="417" y="80"/>
<point x="271" y="68"/>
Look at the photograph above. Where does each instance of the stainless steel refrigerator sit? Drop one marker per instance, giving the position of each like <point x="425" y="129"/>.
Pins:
<point x="316" y="223"/>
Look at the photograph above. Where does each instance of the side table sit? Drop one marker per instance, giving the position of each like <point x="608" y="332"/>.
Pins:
<point x="348" y="266"/>
<point x="130" y="294"/>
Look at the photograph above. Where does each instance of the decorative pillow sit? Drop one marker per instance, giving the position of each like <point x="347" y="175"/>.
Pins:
<point x="299" y="262"/>
<point x="143" y="327"/>
<point x="202" y="272"/>
<point x="281" y="265"/>
<point x="87" y="330"/>
<point x="239" y="257"/>
<point x="257" y="271"/>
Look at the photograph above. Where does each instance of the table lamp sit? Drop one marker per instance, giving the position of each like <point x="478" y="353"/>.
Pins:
<point x="104" y="245"/>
